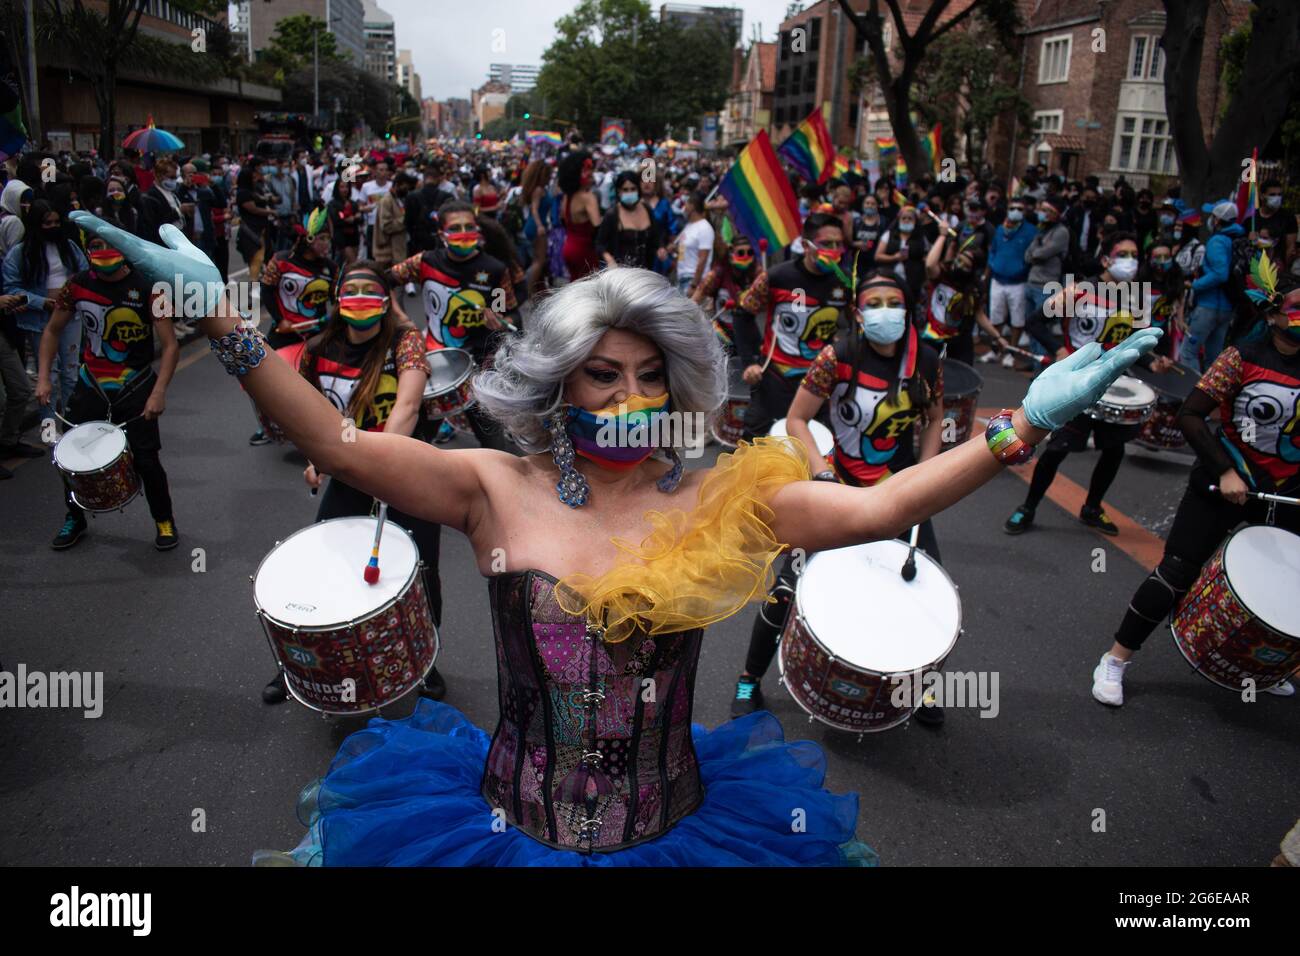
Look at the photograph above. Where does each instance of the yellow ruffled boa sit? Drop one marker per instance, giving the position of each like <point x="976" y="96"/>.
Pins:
<point x="695" y="569"/>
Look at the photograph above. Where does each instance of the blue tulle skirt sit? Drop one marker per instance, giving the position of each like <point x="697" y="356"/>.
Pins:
<point x="406" y="793"/>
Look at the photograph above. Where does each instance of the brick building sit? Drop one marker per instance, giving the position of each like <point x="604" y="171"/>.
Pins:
<point x="1093" y="72"/>
<point x="749" y="107"/>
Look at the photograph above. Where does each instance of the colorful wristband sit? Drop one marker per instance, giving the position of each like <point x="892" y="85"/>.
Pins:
<point x="1003" y="441"/>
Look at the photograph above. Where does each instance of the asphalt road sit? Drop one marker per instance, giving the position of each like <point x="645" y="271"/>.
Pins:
<point x="1186" y="773"/>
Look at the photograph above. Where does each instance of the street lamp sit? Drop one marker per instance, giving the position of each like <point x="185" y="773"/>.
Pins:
<point x="315" y="63"/>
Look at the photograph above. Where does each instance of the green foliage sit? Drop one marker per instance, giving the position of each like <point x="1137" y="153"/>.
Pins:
<point x="613" y="58"/>
<point x="1233" y="49"/>
<point x="362" y="97"/>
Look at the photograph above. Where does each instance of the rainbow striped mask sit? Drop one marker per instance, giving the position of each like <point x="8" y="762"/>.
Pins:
<point x="620" y="436"/>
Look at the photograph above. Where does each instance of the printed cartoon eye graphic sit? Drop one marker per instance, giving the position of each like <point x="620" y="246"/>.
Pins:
<point x="849" y="412"/>
<point x="291" y="288"/>
<point x="1265" y="409"/>
<point x="434" y="300"/>
<point x="789" y="321"/>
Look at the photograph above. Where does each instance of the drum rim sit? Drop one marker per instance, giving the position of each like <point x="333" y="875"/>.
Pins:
<point x="798" y="608"/>
<point x="469" y="370"/>
<point x="1227" y="576"/>
<point x="126" y="449"/>
<point x="979" y="379"/>
<point x="342" y="625"/>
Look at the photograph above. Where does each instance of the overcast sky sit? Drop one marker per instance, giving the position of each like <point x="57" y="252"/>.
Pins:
<point x="452" y="40"/>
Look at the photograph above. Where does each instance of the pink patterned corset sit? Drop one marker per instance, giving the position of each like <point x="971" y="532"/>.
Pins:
<point x="593" y="749"/>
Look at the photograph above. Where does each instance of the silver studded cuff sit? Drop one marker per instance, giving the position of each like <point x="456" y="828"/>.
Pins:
<point x="240" y="350"/>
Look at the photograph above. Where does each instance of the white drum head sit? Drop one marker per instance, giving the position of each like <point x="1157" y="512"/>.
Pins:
<point x="858" y="605"/>
<point x="1129" y="392"/>
<point x="821" y="434"/>
<point x="313" y="578"/>
<point x="89" y="447"/>
<point x="1263" y="566"/>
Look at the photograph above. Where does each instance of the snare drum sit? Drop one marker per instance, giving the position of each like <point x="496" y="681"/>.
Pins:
<point x="1240" y="619"/>
<point x="1128" y="401"/>
<point x="96" y="462"/>
<point x="961" y="392"/>
<point x="448" y="389"/>
<point x="821" y="435"/>
<point x="730" y="423"/>
<point x="345" y="646"/>
<point x="843" y="669"/>
<point x="1161" y="430"/>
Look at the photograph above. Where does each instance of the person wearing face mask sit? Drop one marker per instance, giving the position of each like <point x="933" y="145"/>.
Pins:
<point x="296" y="284"/>
<point x="1084" y="222"/>
<point x="369" y="362"/>
<point x="38" y="268"/>
<point x="629" y="235"/>
<point x="255" y="207"/>
<point x="117" y="317"/>
<point x="1210" y="319"/>
<point x="903" y="248"/>
<point x="1161" y="281"/>
<point x="880" y="382"/>
<point x="1282" y="223"/>
<point x="804" y="302"/>
<point x="954" y="301"/>
<point x="868" y="227"/>
<point x="1146" y="220"/>
<point x="694" y="245"/>
<point x="1046" y="254"/>
<point x="15" y="199"/>
<point x="1007" y="302"/>
<point x="160" y="204"/>
<point x="719" y="292"/>
<point x="468" y="298"/>
<point x="1101" y="310"/>
<point x="390" y="222"/>
<point x="579" y="213"/>
<point x="1243" y="384"/>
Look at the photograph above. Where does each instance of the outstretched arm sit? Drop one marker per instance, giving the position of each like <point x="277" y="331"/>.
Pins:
<point x="818" y="515"/>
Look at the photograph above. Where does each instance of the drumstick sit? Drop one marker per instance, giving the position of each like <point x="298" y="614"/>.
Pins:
<point x="909" y="566"/>
<point x="1263" y="496"/>
<point x="371" y="574"/>
<point x="1025" y="353"/>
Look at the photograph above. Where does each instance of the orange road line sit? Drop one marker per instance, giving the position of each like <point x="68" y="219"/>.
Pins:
<point x="1134" y="540"/>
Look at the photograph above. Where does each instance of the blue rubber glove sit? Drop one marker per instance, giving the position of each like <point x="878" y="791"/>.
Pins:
<point x="1073" y="384"/>
<point x="177" y="264"/>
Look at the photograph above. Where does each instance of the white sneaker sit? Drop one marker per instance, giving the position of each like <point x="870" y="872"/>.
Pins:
<point x="1008" y="361"/>
<point x="987" y="357"/>
<point x="409" y="288"/>
<point x="184" y="328"/>
<point x="1108" y="680"/>
<point x="1284" y="689"/>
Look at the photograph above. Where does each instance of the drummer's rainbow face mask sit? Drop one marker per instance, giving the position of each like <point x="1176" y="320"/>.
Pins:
<point x="363" y="311"/>
<point x="463" y="243"/>
<point x="105" y="261"/>
<point x="619" y="436"/>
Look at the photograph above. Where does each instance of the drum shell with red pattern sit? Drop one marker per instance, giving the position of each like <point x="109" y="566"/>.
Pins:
<point x="961" y="391"/>
<point x="109" y="487"/>
<point x="449" y="389"/>
<point x="1161" y="429"/>
<point x="729" y="425"/>
<point x="1224" y="640"/>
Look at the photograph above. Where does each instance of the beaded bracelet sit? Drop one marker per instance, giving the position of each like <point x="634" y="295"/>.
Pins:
<point x="1003" y="441"/>
<point x="240" y="349"/>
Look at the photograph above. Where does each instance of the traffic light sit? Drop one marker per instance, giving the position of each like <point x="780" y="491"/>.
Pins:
<point x="528" y="116"/>
<point x="478" y="135"/>
<point x="388" y="136"/>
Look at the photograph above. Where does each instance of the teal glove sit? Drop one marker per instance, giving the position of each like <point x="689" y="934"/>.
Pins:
<point x="1072" y="385"/>
<point x="178" y="264"/>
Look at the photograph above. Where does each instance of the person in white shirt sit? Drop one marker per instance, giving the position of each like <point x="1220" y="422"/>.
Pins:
<point x="695" y="246"/>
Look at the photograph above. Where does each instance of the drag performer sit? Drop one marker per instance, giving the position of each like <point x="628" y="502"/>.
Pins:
<point x="955" y="299"/>
<point x="119" y="314"/>
<point x="719" y="291"/>
<point x="370" y="365"/>
<point x="879" y="381"/>
<point x="295" y="287"/>
<point x="1255" y="385"/>
<point x="594" y="759"/>
<point x="804" y="300"/>
<point x="1088" y="317"/>
<point x="468" y="298"/>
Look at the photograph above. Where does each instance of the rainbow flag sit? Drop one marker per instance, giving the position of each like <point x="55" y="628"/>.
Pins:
<point x="887" y="149"/>
<point x="543" y="136"/>
<point x="762" y="204"/>
<point x="840" y="166"/>
<point x="932" y="145"/>
<point x="1192" y="217"/>
<point x="1248" y="192"/>
<point x="808" y="149"/>
<point x="900" y="172"/>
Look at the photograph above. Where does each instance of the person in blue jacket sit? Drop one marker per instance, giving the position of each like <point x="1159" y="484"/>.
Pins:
<point x="1007" y="302"/>
<point x="1208" y="324"/>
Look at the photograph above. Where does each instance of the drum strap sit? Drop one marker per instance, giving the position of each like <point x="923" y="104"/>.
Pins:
<point x="127" y="391"/>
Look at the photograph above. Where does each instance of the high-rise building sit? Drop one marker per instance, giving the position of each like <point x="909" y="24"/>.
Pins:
<point x="519" y="78"/>
<point x="407" y="78"/>
<point x="256" y="21"/>
<point x="381" y="43"/>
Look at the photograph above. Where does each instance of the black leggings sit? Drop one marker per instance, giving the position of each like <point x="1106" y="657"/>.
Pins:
<point x="85" y="404"/>
<point x="769" y="400"/>
<point x="341" y="500"/>
<point x="770" y="620"/>
<point x="1103" y="474"/>
<point x="1203" y="520"/>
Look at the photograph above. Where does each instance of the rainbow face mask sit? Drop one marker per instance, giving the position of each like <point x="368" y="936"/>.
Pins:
<point x="621" y="436"/>
<point x="742" y="260"/>
<point x="828" y="260"/>
<point x="363" y="311"/>
<point x="105" y="261"/>
<point x="462" y="244"/>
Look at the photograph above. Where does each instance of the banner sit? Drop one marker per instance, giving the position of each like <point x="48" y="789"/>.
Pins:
<point x="613" y="131"/>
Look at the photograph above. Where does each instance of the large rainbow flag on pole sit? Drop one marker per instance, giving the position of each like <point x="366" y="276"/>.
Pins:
<point x="808" y="149"/>
<point x="762" y="204"/>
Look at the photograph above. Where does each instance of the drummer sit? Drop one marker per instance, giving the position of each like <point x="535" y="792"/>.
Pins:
<point x="804" y="301"/>
<point x="1089" y="317"/>
<point x="880" y="381"/>
<point x="468" y="299"/>
<point x="295" y="287"/>
<point x="120" y="315"/>
<point x="371" y="367"/>
<point x="720" y="289"/>
<point x="954" y="300"/>
<point x="1255" y="385"/>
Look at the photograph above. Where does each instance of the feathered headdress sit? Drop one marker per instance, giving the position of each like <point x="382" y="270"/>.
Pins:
<point x="316" y="221"/>
<point x="1261" y="284"/>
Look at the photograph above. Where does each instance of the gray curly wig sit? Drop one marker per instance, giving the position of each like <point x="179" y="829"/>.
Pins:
<point x="525" y="385"/>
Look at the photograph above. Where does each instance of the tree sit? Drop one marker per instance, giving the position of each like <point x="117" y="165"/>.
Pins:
<point x="110" y="39"/>
<point x="1264" y="88"/>
<point x="1001" y="16"/>
<point x="962" y="83"/>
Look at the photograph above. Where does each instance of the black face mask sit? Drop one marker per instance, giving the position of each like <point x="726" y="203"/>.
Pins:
<point x="52" y="233"/>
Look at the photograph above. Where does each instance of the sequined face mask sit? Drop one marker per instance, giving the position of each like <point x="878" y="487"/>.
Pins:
<point x="619" y="436"/>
